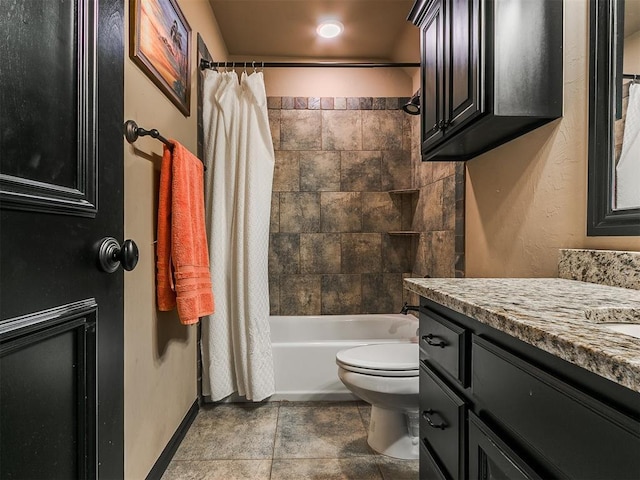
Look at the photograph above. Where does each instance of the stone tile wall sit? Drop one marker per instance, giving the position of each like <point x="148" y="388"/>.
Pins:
<point x="336" y="161"/>
<point x="336" y="158"/>
<point x="439" y="215"/>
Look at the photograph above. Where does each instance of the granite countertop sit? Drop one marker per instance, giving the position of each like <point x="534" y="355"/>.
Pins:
<point x="562" y="317"/>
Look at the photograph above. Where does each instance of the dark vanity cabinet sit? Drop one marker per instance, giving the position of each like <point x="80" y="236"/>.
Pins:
<point x="494" y="407"/>
<point x="491" y="70"/>
<point x="490" y="458"/>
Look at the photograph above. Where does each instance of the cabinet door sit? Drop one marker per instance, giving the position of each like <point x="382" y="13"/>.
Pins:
<point x="432" y="98"/>
<point x="492" y="459"/>
<point x="462" y="63"/>
<point x="429" y="468"/>
<point x="589" y="439"/>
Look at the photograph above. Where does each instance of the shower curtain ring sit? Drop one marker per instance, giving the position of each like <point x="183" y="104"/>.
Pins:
<point x="253" y="64"/>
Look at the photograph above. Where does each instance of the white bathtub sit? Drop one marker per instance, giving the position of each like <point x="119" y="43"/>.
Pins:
<point x="305" y="347"/>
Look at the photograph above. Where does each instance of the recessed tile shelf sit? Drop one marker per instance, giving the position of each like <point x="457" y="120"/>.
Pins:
<point x="404" y="191"/>
<point x="406" y="233"/>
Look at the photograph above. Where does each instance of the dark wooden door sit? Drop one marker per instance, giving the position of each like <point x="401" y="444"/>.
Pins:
<point x="61" y="169"/>
<point x="432" y="90"/>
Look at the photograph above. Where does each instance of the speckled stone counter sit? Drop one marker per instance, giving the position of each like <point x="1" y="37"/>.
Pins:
<point x="607" y="267"/>
<point x="562" y="317"/>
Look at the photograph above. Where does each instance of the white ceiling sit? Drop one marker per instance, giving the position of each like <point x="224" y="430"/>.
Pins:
<point x="280" y="29"/>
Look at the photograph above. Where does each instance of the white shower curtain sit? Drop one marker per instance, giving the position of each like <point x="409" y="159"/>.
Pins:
<point x="236" y="341"/>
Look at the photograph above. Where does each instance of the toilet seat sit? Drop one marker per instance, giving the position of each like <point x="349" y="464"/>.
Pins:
<point x="382" y="360"/>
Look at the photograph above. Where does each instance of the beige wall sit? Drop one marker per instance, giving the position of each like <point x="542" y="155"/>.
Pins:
<point x="631" y="59"/>
<point x="338" y="82"/>
<point x="527" y="199"/>
<point x="160" y="354"/>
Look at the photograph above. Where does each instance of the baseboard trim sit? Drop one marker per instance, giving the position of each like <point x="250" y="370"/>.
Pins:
<point x="170" y="450"/>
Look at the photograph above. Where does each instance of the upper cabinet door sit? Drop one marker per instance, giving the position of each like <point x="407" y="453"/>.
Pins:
<point x="491" y="71"/>
<point x="462" y="64"/>
<point x="432" y="101"/>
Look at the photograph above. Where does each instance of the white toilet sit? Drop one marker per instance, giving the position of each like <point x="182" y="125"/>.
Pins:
<point x="386" y="376"/>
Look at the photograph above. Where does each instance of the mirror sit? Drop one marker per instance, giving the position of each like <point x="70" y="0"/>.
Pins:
<point x="614" y="146"/>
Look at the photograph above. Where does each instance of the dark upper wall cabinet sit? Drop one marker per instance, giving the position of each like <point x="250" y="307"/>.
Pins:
<point x="491" y="70"/>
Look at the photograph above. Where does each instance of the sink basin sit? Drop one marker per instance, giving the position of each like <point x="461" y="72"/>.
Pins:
<point x="632" y="329"/>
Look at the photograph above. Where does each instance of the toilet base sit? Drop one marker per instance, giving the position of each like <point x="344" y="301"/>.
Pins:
<point x="389" y="433"/>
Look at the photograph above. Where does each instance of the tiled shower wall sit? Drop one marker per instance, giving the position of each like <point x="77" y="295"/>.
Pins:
<point x="439" y="215"/>
<point x="336" y="160"/>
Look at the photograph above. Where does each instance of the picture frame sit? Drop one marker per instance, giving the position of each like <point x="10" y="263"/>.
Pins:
<point x="160" y="45"/>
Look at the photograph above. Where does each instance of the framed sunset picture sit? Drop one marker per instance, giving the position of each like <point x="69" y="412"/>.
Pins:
<point x="160" y="44"/>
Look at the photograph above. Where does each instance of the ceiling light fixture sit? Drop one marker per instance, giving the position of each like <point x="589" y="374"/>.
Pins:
<point x="330" y="29"/>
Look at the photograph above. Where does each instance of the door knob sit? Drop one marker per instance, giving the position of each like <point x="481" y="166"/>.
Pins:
<point x="111" y="255"/>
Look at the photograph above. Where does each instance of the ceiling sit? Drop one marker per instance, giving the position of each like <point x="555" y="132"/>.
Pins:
<point x="280" y="29"/>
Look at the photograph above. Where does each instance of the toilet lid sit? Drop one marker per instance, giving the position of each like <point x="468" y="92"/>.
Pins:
<point x="396" y="359"/>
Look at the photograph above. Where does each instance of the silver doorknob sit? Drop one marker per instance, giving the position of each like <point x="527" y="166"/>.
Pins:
<point x="111" y="255"/>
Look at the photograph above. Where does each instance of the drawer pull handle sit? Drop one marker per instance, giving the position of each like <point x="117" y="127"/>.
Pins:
<point x="429" y="339"/>
<point x="426" y="416"/>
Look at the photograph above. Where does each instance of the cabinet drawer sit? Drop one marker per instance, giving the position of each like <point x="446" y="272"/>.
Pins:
<point x="444" y="343"/>
<point x="442" y="423"/>
<point x="572" y="433"/>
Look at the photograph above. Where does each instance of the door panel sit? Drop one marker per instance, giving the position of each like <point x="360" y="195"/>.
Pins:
<point x="48" y="393"/>
<point x="48" y="124"/>
<point x="61" y="191"/>
<point x="463" y="63"/>
<point x="432" y="105"/>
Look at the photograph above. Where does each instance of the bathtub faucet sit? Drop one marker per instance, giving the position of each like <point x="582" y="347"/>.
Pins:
<point x="406" y="308"/>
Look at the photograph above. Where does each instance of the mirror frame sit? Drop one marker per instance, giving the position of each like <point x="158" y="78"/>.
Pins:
<point x="602" y="219"/>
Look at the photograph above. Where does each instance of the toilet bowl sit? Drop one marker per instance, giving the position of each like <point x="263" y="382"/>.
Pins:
<point x="386" y="377"/>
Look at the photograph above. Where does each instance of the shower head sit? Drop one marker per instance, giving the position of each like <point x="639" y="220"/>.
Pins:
<point x="413" y="106"/>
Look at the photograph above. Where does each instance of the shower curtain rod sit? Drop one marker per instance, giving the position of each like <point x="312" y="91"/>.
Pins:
<point x="204" y="64"/>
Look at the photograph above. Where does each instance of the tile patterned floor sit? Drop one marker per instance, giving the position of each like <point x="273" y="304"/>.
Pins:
<point x="284" y="441"/>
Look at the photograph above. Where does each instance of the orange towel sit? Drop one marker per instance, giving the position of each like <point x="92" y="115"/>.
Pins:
<point x="183" y="277"/>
